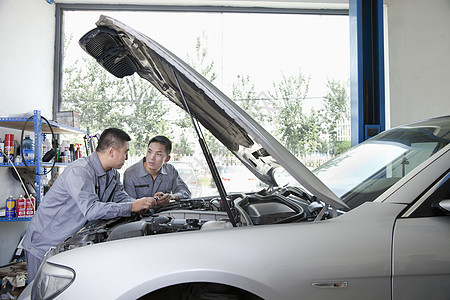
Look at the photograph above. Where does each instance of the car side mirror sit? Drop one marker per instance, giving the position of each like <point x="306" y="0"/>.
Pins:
<point x="443" y="205"/>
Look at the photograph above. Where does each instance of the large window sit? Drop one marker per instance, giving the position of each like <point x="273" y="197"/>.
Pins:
<point x="288" y="70"/>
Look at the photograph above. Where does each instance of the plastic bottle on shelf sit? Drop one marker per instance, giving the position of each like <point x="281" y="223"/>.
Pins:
<point x="64" y="152"/>
<point x="46" y="146"/>
<point x="28" y="149"/>
<point x="67" y="156"/>
<point x="63" y="157"/>
<point x="78" y="153"/>
<point x="63" y="146"/>
<point x="58" y="153"/>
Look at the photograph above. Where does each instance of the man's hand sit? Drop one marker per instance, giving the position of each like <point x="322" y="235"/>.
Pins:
<point x="142" y="204"/>
<point x="164" y="198"/>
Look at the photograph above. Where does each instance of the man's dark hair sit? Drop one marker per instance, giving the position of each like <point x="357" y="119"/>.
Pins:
<point x="162" y="140"/>
<point x="112" y="137"/>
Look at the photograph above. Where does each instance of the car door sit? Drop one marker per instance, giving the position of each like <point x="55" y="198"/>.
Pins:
<point x="421" y="248"/>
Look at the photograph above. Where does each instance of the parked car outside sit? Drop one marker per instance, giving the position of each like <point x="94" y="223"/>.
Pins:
<point x="238" y="178"/>
<point x="189" y="177"/>
<point x="372" y="223"/>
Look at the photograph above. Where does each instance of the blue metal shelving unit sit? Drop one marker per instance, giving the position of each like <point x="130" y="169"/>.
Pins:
<point x="39" y="126"/>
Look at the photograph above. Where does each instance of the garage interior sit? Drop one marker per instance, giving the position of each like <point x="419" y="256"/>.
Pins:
<point x="411" y="69"/>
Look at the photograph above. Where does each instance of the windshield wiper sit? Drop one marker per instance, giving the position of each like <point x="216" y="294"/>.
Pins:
<point x="209" y="159"/>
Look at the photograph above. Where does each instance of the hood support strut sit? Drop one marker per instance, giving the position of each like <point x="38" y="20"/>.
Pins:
<point x="209" y="159"/>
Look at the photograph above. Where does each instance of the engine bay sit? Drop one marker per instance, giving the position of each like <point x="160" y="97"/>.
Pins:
<point x="280" y="205"/>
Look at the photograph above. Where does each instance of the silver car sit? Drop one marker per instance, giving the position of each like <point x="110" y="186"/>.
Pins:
<point x="372" y="223"/>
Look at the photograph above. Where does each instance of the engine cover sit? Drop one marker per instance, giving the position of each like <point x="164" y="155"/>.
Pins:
<point x="268" y="212"/>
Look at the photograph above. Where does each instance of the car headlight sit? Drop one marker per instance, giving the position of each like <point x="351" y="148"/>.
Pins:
<point x="51" y="280"/>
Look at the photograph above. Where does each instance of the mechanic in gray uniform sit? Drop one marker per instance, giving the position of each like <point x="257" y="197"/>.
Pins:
<point x="152" y="176"/>
<point x="88" y="189"/>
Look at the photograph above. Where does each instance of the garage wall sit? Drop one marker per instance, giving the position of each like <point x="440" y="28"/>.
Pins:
<point x="27" y="29"/>
<point x="26" y="83"/>
<point x="418" y="59"/>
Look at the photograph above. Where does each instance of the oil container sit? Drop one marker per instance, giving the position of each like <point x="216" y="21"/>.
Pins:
<point x="21" y="206"/>
<point x="10" y="208"/>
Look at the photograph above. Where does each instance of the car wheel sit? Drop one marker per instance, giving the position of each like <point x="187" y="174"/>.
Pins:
<point x="198" y="291"/>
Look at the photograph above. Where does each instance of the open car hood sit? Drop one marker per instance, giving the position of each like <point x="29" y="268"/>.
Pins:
<point x="123" y="51"/>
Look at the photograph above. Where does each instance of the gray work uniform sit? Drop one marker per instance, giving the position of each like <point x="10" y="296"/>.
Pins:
<point x="82" y="192"/>
<point x="139" y="183"/>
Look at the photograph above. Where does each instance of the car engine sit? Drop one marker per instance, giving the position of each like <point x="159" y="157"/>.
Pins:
<point x="281" y="205"/>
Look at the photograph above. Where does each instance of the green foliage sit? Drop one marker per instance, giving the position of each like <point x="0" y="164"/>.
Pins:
<point x="205" y="66"/>
<point x="316" y="131"/>
<point x="217" y="149"/>
<point x="313" y="129"/>
<point x="182" y="148"/>
<point x="146" y="112"/>
<point x="291" y="122"/>
<point x="342" y="146"/>
<point x="201" y="63"/>
<point x="104" y="101"/>
<point x="336" y="111"/>
<point x="134" y="105"/>
<point x="87" y="88"/>
<point x="243" y="93"/>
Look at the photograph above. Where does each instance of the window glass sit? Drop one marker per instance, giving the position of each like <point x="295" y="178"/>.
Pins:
<point x="367" y="170"/>
<point x="429" y="207"/>
<point x="290" y="72"/>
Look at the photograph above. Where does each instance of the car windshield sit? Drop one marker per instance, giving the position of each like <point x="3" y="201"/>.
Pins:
<point x="367" y="170"/>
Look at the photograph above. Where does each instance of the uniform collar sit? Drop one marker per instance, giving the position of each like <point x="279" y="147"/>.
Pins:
<point x="96" y="164"/>
<point x="143" y="172"/>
